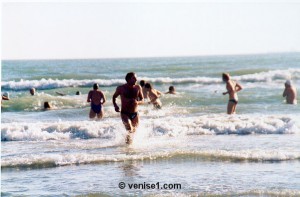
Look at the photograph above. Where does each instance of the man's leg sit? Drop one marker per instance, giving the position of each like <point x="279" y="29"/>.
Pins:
<point x="100" y="115"/>
<point x="128" y="127"/>
<point x="234" y="108"/>
<point x="92" y="114"/>
<point x="230" y="107"/>
<point x="135" y="122"/>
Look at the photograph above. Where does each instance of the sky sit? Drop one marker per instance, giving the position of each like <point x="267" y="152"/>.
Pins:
<point x="54" y="30"/>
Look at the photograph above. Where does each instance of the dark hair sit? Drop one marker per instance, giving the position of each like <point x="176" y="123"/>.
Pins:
<point x="142" y="83"/>
<point x="95" y="86"/>
<point x="47" y="105"/>
<point x="32" y="91"/>
<point x="78" y="93"/>
<point x="129" y="76"/>
<point x="148" y="85"/>
<point x="225" y="76"/>
<point x="171" y="88"/>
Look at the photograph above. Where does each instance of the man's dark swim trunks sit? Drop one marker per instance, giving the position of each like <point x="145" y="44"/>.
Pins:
<point x="131" y="116"/>
<point x="96" y="108"/>
<point x="234" y="101"/>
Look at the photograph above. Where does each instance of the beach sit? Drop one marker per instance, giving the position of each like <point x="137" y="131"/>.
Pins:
<point x="191" y="142"/>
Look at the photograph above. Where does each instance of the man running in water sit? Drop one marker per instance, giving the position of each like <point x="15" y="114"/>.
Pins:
<point x="131" y="96"/>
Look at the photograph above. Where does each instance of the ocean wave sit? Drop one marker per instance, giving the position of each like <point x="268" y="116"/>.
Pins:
<point x="109" y="128"/>
<point x="270" y="76"/>
<point x="56" y="83"/>
<point x="63" y="159"/>
<point x="275" y="75"/>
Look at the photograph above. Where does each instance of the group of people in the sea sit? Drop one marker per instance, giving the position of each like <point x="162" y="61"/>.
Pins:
<point x="132" y="95"/>
<point x="46" y="103"/>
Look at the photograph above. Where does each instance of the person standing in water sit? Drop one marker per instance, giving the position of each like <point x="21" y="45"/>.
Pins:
<point x="97" y="99"/>
<point x="145" y="93"/>
<point x="232" y="88"/>
<point x="131" y="96"/>
<point x="153" y="96"/>
<point x="290" y="93"/>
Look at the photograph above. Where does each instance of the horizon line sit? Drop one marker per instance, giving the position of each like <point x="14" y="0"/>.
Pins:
<point x="145" y="57"/>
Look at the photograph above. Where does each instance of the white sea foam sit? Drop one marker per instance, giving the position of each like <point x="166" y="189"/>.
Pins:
<point x="268" y="192"/>
<point x="56" y="83"/>
<point x="275" y="75"/>
<point x="217" y="124"/>
<point x="60" y="159"/>
<point x="271" y="76"/>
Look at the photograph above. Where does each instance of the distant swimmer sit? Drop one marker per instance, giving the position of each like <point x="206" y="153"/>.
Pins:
<point x="131" y="96"/>
<point x="97" y="99"/>
<point x="63" y="94"/>
<point x="32" y="91"/>
<point x="60" y="94"/>
<point x="290" y="93"/>
<point x="5" y="96"/>
<point x="153" y="96"/>
<point x="145" y="93"/>
<point x="232" y="88"/>
<point x="171" y="90"/>
<point x="47" y="105"/>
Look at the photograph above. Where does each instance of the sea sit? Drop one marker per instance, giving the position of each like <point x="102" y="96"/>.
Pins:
<point x="190" y="147"/>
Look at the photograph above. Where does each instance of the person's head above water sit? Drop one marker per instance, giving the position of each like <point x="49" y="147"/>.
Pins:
<point x="47" y="105"/>
<point x="225" y="77"/>
<point x="96" y="86"/>
<point x="171" y="89"/>
<point x="32" y="91"/>
<point x="142" y="83"/>
<point x="288" y="83"/>
<point x="148" y="86"/>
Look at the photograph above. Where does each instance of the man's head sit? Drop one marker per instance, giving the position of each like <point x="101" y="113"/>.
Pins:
<point x="131" y="78"/>
<point x="6" y="94"/>
<point x="288" y="83"/>
<point x="171" y="89"/>
<point x="32" y="91"/>
<point x="142" y="83"/>
<point x="47" y="105"/>
<point x="225" y="77"/>
<point x="148" y="86"/>
<point x="95" y="86"/>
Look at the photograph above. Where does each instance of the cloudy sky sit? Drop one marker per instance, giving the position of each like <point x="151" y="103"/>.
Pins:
<point x="54" y="30"/>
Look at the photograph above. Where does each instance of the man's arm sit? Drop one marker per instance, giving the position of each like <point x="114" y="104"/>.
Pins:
<point x="146" y="96"/>
<point x="103" y="97"/>
<point x="89" y="97"/>
<point x="116" y="94"/>
<point x="158" y="93"/>
<point x="284" y="93"/>
<point x="238" y="87"/>
<point x="228" y="87"/>
<point x="140" y="96"/>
